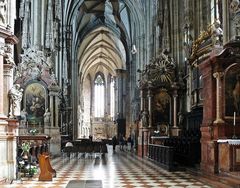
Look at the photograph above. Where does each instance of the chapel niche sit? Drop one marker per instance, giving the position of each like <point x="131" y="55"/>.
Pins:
<point x="159" y="90"/>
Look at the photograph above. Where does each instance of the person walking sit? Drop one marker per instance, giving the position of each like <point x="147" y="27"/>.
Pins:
<point x="114" y="143"/>
<point x="121" y="142"/>
<point x="129" y="143"/>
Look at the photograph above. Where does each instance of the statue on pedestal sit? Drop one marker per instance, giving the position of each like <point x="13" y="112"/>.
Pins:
<point x="15" y="95"/>
<point x="217" y="33"/>
<point x="47" y="116"/>
<point x="145" y="118"/>
<point x="3" y="9"/>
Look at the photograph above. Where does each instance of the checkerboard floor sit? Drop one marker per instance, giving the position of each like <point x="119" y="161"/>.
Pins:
<point x="121" y="169"/>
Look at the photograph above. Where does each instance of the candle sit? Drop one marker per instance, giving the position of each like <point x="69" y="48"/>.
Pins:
<point x="234" y="118"/>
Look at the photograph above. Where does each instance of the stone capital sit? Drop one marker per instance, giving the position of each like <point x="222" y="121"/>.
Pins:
<point x="218" y="75"/>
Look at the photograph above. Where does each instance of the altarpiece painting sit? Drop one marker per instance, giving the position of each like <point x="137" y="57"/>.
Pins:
<point x="232" y="91"/>
<point x="35" y="103"/>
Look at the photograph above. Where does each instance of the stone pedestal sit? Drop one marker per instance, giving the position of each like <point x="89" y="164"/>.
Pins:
<point x="175" y="131"/>
<point x="8" y="129"/>
<point x="144" y="137"/>
<point x="55" y="142"/>
<point x="8" y="144"/>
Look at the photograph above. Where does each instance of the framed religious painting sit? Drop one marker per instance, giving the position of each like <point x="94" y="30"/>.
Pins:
<point x="35" y="96"/>
<point x="232" y="90"/>
<point x="161" y="107"/>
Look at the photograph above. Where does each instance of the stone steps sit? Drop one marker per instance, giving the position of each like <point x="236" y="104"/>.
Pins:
<point x="216" y="180"/>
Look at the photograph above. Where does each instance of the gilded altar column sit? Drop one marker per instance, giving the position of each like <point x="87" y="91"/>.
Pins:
<point x="218" y="76"/>
<point x="149" y="108"/>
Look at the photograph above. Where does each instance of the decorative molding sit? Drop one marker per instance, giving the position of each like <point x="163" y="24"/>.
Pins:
<point x="160" y="72"/>
<point x="35" y="65"/>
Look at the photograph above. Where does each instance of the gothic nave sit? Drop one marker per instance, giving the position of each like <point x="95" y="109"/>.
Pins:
<point x="161" y="77"/>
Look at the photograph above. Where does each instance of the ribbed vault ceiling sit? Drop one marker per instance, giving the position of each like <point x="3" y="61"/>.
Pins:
<point x="101" y="49"/>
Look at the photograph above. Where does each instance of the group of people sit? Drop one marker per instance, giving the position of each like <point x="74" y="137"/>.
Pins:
<point x="122" y="141"/>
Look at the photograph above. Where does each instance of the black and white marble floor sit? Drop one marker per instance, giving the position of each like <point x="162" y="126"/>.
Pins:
<point x="121" y="169"/>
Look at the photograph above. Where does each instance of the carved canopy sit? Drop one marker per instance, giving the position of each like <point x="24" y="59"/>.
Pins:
<point x="159" y="73"/>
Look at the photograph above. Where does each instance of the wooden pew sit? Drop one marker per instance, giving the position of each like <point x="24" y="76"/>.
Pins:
<point x="44" y="175"/>
<point x="49" y="166"/>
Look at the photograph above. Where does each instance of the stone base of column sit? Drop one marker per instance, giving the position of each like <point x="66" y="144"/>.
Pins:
<point x="209" y="156"/>
<point x="217" y="121"/>
<point x="8" y="144"/>
<point x="3" y="126"/>
<point x="175" y="131"/>
<point x="143" y="141"/>
<point x="55" y="141"/>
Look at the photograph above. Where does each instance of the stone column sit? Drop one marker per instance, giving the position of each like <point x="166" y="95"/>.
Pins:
<point x="149" y="108"/>
<point x="51" y="94"/>
<point x="56" y="110"/>
<point x="2" y="116"/>
<point x="218" y="76"/>
<point x="142" y="101"/>
<point x="4" y="173"/>
<point x="8" y="131"/>
<point x="175" y="110"/>
<point x="53" y="129"/>
<point x="225" y="17"/>
<point x="120" y="92"/>
<point x="175" y="129"/>
<point x="8" y="83"/>
<point x="36" y="23"/>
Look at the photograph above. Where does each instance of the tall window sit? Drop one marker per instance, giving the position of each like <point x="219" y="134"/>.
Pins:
<point x="112" y="95"/>
<point x="99" y="96"/>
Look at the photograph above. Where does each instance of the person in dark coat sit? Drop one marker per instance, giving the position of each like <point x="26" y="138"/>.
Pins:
<point x="121" y="142"/>
<point x="114" y="143"/>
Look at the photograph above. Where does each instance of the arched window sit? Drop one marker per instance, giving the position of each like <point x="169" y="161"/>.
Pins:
<point x="99" y="96"/>
<point x="112" y="97"/>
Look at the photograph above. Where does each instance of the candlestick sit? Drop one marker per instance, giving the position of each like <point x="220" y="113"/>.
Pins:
<point x="234" y="118"/>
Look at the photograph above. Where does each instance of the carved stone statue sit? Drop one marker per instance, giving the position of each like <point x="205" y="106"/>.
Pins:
<point x="180" y="118"/>
<point x="217" y="33"/>
<point x="8" y="59"/>
<point x="235" y="8"/>
<point x="144" y="118"/>
<point x="47" y="116"/>
<point x="15" y="95"/>
<point x="3" y="9"/>
<point x="23" y="117"/>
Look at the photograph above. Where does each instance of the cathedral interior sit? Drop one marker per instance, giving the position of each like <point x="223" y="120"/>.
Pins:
<point x="160" y="79"/>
